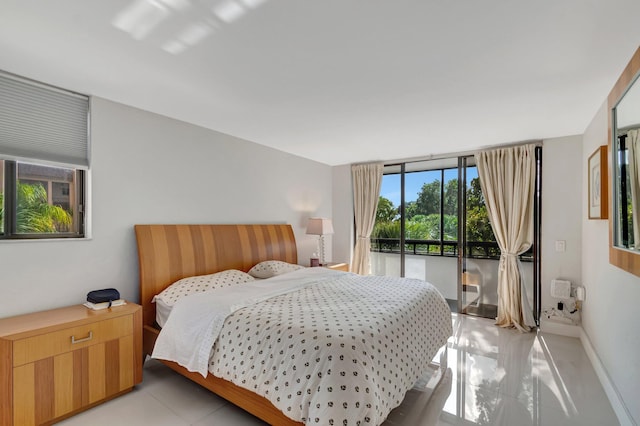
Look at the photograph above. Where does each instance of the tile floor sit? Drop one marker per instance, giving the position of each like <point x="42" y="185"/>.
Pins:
<point x="493" y="377"/>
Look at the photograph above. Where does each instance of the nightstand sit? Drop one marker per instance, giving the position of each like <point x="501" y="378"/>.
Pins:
<point x="56" y="363"/>
<point x="337" y="266"/>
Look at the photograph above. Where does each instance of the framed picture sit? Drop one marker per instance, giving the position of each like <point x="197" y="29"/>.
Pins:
<point x="598" y="189"/>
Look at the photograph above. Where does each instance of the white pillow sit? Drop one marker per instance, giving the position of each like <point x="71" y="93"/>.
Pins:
<point x="271" y="268"/>
<point x="186" y="286"/>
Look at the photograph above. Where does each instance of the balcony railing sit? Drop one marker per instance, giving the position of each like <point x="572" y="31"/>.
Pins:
<point x="474" y="249"/>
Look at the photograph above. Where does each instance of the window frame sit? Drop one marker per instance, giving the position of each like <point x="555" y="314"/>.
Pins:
<point x="9" y="231"/>
<point x="377" y="244"/>
<point x="46" y="126"/>
<point x="441" y="242"/>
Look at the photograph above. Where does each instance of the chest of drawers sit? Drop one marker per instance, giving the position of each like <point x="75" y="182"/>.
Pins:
<point x="56" y="363"/>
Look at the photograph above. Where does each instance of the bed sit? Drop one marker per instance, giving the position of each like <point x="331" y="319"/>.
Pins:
<point x="168" y="253"/>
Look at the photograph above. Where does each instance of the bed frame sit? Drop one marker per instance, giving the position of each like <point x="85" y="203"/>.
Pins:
<point x="167" y="253"/>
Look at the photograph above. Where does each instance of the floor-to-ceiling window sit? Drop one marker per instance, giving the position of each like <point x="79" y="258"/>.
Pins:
<point x="432" y="224"/>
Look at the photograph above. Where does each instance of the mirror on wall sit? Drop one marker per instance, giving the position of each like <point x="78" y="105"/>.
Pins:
<point x="626" y="169"/>
<point x="624" y="207"/>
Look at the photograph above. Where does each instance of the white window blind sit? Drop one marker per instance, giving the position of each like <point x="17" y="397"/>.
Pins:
<point x="43" y="123"/>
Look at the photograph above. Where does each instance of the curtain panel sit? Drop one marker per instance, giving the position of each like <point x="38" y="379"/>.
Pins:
<point x="507" y="179"/>
<point x="367" y="179"/>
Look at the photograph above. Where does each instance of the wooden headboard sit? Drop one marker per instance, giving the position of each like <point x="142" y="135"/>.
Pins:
<point x="167" y="253"/>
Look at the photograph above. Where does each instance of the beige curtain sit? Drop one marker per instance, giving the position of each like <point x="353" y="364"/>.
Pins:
<point x="633" y="144"/>
<point x="507" y="179"/>
<point x="366" y="191"/>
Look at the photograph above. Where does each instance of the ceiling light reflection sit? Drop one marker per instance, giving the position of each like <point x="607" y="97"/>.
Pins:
<point x="190" y="36"/>
<point x="174" y="47"/>
<point x="195" y="33"/>
<point x="177" y="4"/>
<point x="229" y="11"/>
<point x="253" y="3"/>
<point x="141" y="17"/>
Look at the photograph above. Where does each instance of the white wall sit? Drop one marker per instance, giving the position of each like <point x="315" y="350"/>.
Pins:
<point x="611" y="315"/>
<point x="146" y="168"/>
<point x="344" y="237"/>
<point x="561" y="210"/>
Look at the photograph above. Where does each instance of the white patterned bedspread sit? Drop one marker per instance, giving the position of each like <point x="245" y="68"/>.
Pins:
<point x="325" y="347"/>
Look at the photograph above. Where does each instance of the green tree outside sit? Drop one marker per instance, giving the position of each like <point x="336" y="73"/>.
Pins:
<point x="423" y="216"/>
<point x="410" y="210"/>
<point x="428" y="201"/>
<point x="478" y="225"/>
<point x="451" y="197"/>
<point x="386" y="211"/>
<point x="34" y="213"/>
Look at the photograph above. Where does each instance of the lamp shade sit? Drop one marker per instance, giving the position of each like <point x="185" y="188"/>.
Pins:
<point x="319" y="226"/>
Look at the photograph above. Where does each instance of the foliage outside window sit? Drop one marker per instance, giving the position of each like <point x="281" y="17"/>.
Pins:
<point x="40" y="201"/>
<point x="481" y="242"/>
<point x="425" y="216"/>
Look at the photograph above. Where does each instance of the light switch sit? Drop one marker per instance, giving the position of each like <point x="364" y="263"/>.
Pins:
<point x="561" y="245"/>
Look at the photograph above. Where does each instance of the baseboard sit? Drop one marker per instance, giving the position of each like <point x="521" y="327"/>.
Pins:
<point x="612" y="393"/>
<point x="562" y="329"/>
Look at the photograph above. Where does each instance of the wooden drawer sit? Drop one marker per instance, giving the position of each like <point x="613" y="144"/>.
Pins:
<point x="50" y="344"/>
<point x="54" y="387"/>
<point x="56" y="363"/>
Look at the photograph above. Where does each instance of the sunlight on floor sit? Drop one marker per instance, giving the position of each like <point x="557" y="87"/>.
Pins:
<point x="488" y="376"/>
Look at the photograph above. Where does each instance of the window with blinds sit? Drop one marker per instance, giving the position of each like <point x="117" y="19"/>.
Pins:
<point x="44" y="157"/>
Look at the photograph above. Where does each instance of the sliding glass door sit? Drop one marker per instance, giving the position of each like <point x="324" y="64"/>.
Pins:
<point x="479" y="260"/>
<point x="416" y="231"/>
<point x="432" y="224"/>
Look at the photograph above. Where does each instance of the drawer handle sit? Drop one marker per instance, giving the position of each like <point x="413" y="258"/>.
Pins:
<point x="84" y="339"/>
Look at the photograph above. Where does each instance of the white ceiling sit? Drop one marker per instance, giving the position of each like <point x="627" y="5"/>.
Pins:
<point x="337" y="81"/>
